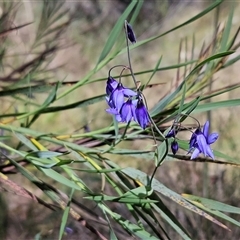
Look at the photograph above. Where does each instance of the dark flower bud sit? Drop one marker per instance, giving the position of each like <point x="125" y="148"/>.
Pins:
<point x="171" y="133"/>
<point x="174" y="147"/>
<point x="130" y="33"/>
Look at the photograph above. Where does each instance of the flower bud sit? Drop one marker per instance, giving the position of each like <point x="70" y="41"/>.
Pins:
<point x="174" y="147"/>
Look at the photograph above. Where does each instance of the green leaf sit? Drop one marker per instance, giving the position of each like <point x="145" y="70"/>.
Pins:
<point x="60" y="178"/>
<point x="164" y="102"/>
<point x="26" y="141"/>
<point x="65" y="217"/>
<point x="226" y="32"/>
<point x="213" y="57"/>
<point x="129" y="198"/>
<point x="213" y="204"/>
<point x="44" y="154"/>
<point x="171" y="222"/>
<point x="204" y="203"/>
<point x="182" y="99"/>
<point x="47" y="102"/>
<point x="51" y="97"/>
<point x="126" y="224"/>
<point x="161" y="152"/>
<point x="159" y="187"/>
<point x="216" y="105"/>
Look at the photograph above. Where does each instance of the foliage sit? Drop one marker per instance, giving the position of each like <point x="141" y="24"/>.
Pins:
<point x="53" y="162"/>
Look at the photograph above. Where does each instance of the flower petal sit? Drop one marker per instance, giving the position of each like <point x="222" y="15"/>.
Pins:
<point x="202" y="144"/>
<point x="210" y="152"/>
<point x="118" y="98"/>
<point x="128" y="92"/>
<point x="114" y="111"/>
<point x="212" y="138"/>
<point x="195" y="153"/>
<point x="206" y="129"/>
<point x="126" y="112"/>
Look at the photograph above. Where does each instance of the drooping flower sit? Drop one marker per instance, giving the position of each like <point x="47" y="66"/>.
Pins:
<point x="174" y="147"/>
<point x="142" y="117"/>
<point x="128" y="111"/>
<point x="201" y="140"/>
<point x="118" y="94"/>
<point x="131" y="34"/>
<point x="111" y="85"/>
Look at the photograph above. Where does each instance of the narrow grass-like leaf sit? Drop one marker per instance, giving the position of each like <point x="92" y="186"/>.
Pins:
<point x="126" y="224"/>
<point x="213" y="57"/>
<point x="130" y="200"/>
<point x="60" y="178"/>
<point x="167" y="215"/>
<point x="65" y="217"/>
<point x="213" y="204"/>
<point x="26" y="141"/>
<point x="171" y="223"/>
<point x="212" y="211"/>
<point x="226" y="32"/>
<point x="182" y="99"/>
<point x="216" y="105"/>
<point x="51" y="97"/>
<point x="161" y="152"/>
<point x="159" y="187"/>
<point x="44" y="154"/>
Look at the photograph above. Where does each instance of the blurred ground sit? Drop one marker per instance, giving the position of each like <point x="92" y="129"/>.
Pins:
<point x="92" y="21"/>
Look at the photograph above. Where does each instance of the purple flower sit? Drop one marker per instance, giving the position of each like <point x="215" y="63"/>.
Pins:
<point x="142" y="114"/>
<point x="111" y="85"/>
<point x="201" y="140"/>
<point x="174" y="147"/>
<point x="118" y="94"/>
<point x="128" y="111"/>
<point x="131" y="34"/>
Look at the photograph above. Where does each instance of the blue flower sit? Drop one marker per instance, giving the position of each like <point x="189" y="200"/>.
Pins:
<point x="142" y="117"/>
<point x="174" y="147"/>
<point x="128" y="110"/>
<point x="118" y="94"/>
<point x="201" y="140"/>
<point x="111" y="85"/>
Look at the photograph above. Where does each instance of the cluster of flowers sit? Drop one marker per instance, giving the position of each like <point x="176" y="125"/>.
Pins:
<point x="125" y="104"/>
<point x="200" y="141"/>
